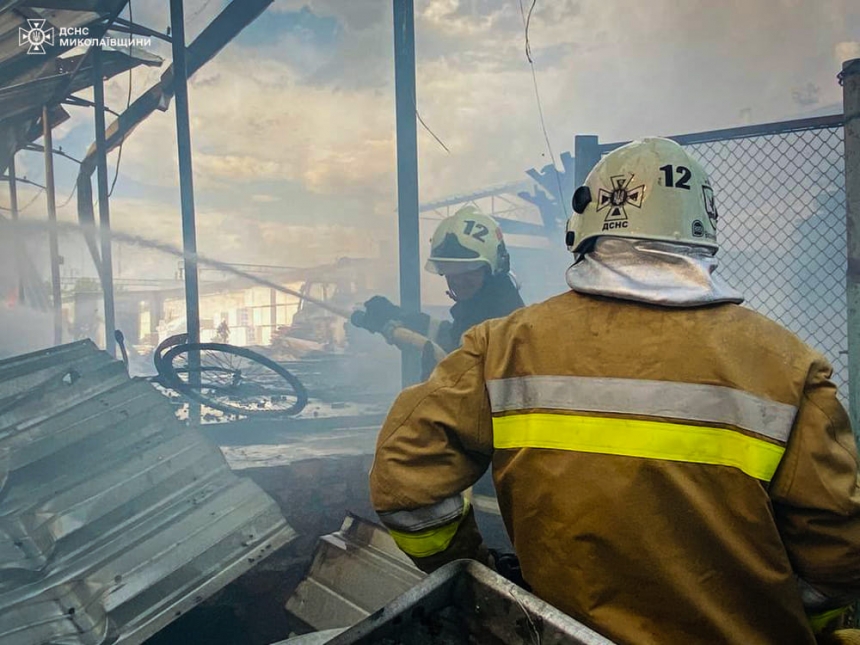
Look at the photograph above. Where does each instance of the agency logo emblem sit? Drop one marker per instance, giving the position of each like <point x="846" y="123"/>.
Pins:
<point x="617" y="199"/>
<point x="710" y="205"/>
<point x="35" y="36"/>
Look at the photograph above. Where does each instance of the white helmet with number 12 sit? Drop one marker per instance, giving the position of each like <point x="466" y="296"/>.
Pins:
<point x="649" y="189"/>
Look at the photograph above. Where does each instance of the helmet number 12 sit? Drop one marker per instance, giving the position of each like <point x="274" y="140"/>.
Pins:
<point x="669" y="173"/>
<point x="473" y="229"/>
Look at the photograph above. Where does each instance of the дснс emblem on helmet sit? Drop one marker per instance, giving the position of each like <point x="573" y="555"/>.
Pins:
<point x="617" y="199"/>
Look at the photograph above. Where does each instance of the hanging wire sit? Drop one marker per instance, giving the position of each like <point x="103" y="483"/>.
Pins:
<point x="433" y="134"/>
<point x="69" y="198"/>
<point x="528" y="21"/>
<point x="526" y="24"/>
<point x="199" y="11"/>
<point x="27" y="205"/>
<point x="127" y="105"/>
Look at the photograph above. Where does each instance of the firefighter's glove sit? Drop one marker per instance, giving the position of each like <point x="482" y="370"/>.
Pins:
<point x="507" y="565"/>
<point x="379" y="311"/>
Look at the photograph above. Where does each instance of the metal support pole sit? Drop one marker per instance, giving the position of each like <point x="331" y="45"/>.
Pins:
<point x="851" y="106"/>
<point x="407" y="173"/>
<point x="186" y="191"/>
<point x="104" y="203"/>
<point x="13" y="207"/>
<point x="586" y="154"/>
<point x="273" y="315"/>
<point x="53" y="242"/>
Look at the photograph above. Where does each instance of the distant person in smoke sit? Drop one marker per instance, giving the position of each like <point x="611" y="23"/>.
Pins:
<point x="468" y="249"/>
<point x="222" y="334"/>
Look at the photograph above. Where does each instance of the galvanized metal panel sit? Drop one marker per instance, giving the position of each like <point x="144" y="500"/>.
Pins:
<point x="114" y="518"/>
<point x="314" y="638"/>
<point x="354" y="572"/>
<point x="465" y="602"/>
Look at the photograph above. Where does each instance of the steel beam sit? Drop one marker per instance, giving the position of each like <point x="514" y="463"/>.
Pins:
<point x="493" y="191"/>
<point x="53" y="243"/>
<point x="586" y="154"/>
<point x="104" y="203"/>
<point x="186" y="176"/>
<point x="13" y="208"/>
<point x="407" y="173"/>
<point x="747" y="131"/>
<point x="186" y="193"/>
<point x="128" y="27"/>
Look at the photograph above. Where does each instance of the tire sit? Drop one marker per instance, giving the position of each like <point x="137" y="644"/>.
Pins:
<point x="163" y="346"/>
<point x="261" y="397"/>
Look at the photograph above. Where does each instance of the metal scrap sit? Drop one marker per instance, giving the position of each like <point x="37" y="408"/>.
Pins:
<point x="115" y="519"/>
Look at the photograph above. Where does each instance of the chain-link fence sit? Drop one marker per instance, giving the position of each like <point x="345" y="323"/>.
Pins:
<point x="782" y="205"/>
<point x="780" y="192"/>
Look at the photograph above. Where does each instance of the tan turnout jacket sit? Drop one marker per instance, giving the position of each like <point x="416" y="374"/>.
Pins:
<point x="665" y="475"/>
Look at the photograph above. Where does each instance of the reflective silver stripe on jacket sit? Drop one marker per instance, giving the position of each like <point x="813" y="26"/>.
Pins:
<point x="426" y="517"/>
<point x="710" y="404"/>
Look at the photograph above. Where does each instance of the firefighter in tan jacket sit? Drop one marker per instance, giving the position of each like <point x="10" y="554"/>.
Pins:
<point x="671" y="467"/>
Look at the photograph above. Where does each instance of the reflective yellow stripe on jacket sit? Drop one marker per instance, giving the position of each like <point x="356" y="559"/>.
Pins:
<point x="426" y="531"/>
<point x="695" y="423"/>
<point x="820" y="621"/>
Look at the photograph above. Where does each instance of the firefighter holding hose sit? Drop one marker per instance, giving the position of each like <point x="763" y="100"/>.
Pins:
<point x="468" y="249"/>
<point x="671" y="467"/>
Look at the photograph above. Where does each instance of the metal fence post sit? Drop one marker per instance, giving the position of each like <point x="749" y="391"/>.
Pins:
<point x="586" y="154"/>
<point x="851" y="104"/>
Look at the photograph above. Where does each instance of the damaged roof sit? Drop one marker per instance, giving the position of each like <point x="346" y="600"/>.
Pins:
<point x="16" y="63"/>
<point x="115" y="519"/>
<point x="30" y="80"/>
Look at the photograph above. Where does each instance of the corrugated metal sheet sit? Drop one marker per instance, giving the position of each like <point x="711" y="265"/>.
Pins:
<point x="463" y="603"/>
<point x="114" y="518"/>
<point x="355" y="572"/>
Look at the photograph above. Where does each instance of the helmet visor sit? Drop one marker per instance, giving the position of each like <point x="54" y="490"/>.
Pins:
<point x="448" y="266"/>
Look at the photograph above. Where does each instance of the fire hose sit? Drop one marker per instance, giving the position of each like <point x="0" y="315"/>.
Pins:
<point x="394" y="333"/>
<point x="401" y="337"/>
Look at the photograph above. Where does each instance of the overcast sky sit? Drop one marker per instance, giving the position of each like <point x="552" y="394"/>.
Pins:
<point x="293" y="123"/>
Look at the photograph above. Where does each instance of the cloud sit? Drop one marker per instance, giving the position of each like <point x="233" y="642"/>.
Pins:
<point x="253" y="119"/>
<point x="236" y="167"/>
<point x="448" y="15"/>
<point x="337" y="169"/>
<point x="807" y="95"/>
<point x="293" y="126"/>
<point x="264" y="199"/>
<point x="224" y="234"/>
<point x="355" y="15"/>
<point x="846" y="51"/>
